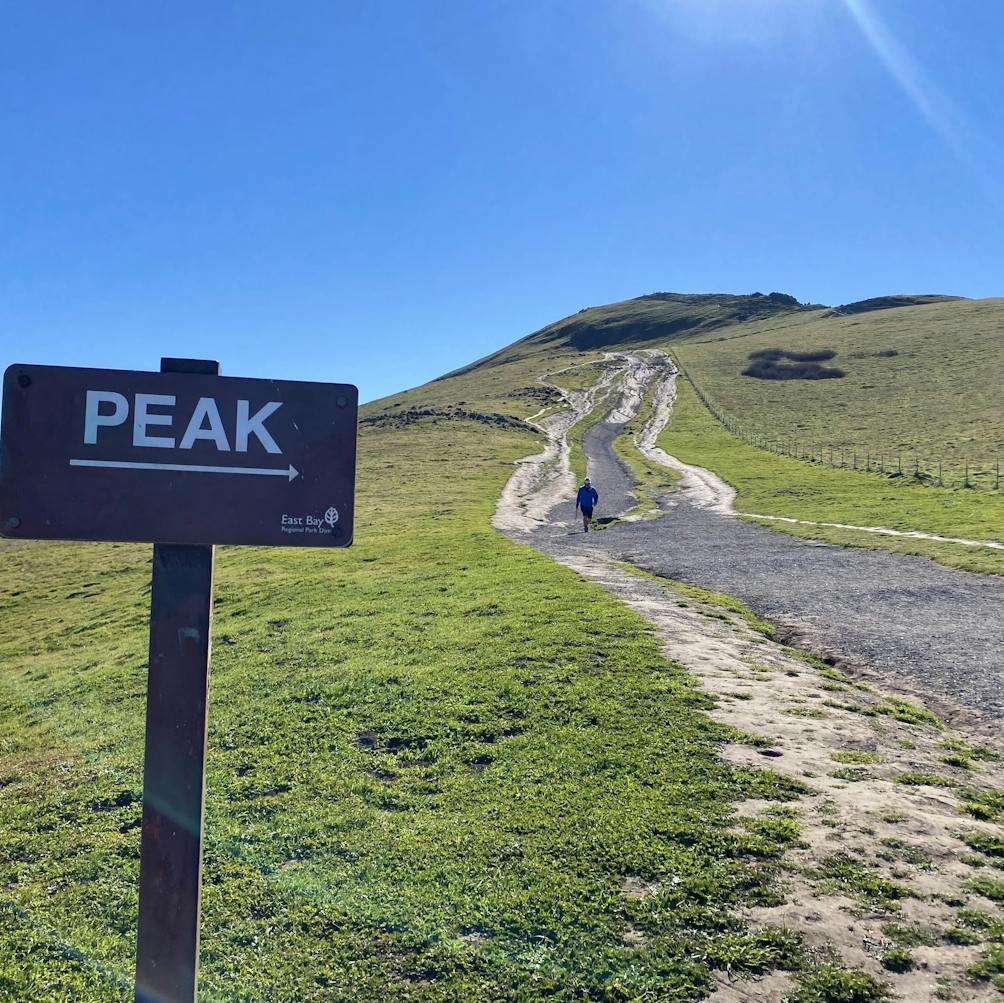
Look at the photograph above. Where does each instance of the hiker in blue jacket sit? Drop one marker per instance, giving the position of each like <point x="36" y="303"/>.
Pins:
<point x="584" y="501"/>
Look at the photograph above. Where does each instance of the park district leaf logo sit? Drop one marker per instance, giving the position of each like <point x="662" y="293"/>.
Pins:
<point x="310" y="525"/>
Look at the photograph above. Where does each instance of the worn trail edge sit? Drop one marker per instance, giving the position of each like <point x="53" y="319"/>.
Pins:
<point x="803" y="714"/>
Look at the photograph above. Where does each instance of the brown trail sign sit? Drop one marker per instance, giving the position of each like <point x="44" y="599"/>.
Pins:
<point x="184" y="459"/>
<point x="176" y="457"/>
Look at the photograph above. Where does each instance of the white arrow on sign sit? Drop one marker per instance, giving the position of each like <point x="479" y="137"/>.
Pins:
<point x="189" y="468"/>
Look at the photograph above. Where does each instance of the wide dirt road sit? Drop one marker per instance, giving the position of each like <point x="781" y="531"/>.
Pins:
<point x="938" y="629"/>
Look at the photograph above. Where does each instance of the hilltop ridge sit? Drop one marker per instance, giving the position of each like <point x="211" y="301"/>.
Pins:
<point x="892" y="302"/>
<point x="647" y="318"/>
<point x="669" y="316"/>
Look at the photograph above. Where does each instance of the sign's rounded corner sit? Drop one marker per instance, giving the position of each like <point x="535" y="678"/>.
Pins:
<point x="12" y="369"/>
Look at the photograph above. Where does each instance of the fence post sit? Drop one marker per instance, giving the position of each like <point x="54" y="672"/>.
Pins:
<point x="966" y="482"/>
<point x="997" y="478"/>
<point x="941" y="483"/>
<point x="899" y="464"/>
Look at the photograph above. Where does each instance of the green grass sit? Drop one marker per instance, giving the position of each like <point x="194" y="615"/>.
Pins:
<point x="861" y="758"/>
<point x="975" y="927"/>
<point x="897" y="959"/>
<point x="990" y="966"/>
<point x="779" y="486"/>
<point x="958" y="761"/>
<point x="578" y="377"/>
<point x="989" y="888"/>
<point x="916" y="779"/>
<point x="938" y="395"/>
<point x="907" y="712"/>
<point x="852" y="774"/>
<point x="829" y="984"/>
<point x="439" y="762"/>
<point x="810" y="712"/>
<point x="846" y="875"/>
<point x="417" y="783"/>
<point x="908" y="936"/>
<point x="982" y="804"/>
<point x="980" y="752"/>
<point x="989" y="926"/>
<point x="898" y="850"/>
<point x="985" y="842"/>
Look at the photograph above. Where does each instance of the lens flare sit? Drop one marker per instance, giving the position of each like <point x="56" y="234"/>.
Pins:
<point x="935" y="107"/>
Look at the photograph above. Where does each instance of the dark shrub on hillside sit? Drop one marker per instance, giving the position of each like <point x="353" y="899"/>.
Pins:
<point x="782" y="364"/>
<point x="775" y="354"/>
<point x="770" y="369"/>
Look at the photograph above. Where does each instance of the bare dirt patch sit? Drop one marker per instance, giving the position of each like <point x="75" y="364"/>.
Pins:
<point x="875" y="851"/>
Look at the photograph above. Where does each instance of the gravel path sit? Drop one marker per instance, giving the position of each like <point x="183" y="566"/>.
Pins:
<point x="604" y="467"/>
<point x="939" y="630"/>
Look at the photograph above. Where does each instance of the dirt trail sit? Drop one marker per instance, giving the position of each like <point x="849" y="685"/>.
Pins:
<point x="861" y="815"/>
<point x="858" y="816"/>
<point x="603" y="465"/>
<point x="699" y="487"/>
<point x="912" y="534"/>
<point x="702" y="487"/>
<point x="933" y="628"/>
<point x="542" y="480"/>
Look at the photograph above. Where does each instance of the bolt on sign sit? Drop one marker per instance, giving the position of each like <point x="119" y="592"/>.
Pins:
<point x="184" y="459"/>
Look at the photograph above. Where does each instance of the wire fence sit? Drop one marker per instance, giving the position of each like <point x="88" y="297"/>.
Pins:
<point x="934" y="472"/>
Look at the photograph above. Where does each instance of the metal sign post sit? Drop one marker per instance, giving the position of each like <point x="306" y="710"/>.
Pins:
<point x="183" y="459"/>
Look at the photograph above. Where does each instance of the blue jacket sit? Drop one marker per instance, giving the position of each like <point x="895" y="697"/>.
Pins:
<point x="586" y="498"/>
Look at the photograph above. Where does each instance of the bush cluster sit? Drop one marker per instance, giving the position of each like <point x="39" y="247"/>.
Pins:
<point x="780" y="364"/>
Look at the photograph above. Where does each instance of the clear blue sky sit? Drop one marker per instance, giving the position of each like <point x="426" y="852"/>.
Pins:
<point x="379" y="191"/>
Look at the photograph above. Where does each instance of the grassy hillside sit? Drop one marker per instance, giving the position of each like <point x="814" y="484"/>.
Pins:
<point x="920" y="373"/>
<point x="646" y="321"/>
<point x="921" y="381"/>
<point x="419" y="787"/>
